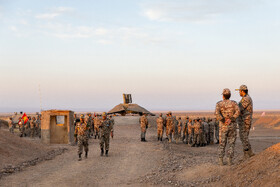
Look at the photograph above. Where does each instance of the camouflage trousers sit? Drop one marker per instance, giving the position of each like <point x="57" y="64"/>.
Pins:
<point x="32" y="132"/>
<point x="96" y="129"/>
<point x="82" y="143"/>
<point x="105" y="139"/>
<point x="211" y="137"/>
<point x="160" y="133"/>
<point x="21" y="130"/>
<point x="196" y="139"/>
<point x="190" y="138"/>
<point x="244" y="130"/>
<point x="228" y="135"/>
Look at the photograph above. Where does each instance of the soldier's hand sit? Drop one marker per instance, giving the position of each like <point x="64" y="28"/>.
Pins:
<point x="112" y="134"/>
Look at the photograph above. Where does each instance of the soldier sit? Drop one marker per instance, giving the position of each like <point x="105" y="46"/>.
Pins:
<point x="185" y="131"/>
<point x="106" y="127"/>
<point x="226" y="113"/>
<point x="206" y="131"/>
<point x="27" y="127"/>
<point x="179" y="130"/>
<point x="217" y="130"/>
<point x="197" y="133"/>
<point x="190" y="132"/>
<point x="96" y="122"/>
<point x="202" y="133"/>
<point x="38" y="126"/>
<point x="170" y="126"/>
<point x="211" y="130"/>
<point x="89" y="124"/>
<point x="11" y="125"/>
<point x="160" y="122"/>
<point x="32" y="127"/>
<point x="81" y="135"/>
<point x="21" y="126"/>
<point x="144" y="125"/>
<point x="245" y="120"/>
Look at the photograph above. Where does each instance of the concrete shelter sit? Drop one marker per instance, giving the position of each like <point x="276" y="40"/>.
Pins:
<point x="57" y="127"/>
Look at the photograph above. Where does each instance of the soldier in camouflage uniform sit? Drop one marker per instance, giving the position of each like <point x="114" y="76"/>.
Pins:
<point x="211" y="130"/>
<point x="106" y="128"/>
<point x="97" y="123"/>
<point x="27" y="127"/>
<point x="185" y="131"/>
<point x="202" y="133"/>
<point x="227" y="111"/>
<point x="89" y="123"/>
<point x="179" y="129"/>
<point x="32" y="127"/>
<point x="160" y="123"/>
<point x="245" y="120"/>
<point x="38" y="126"/>
<point x="21" y="127"/>
<point x="81" y="135"/>
<point x="206" y="131"/>
<point x="197" y="132"/>
<point x="190" y="132"/>
<point x="11" y="125"/>
<point x="144" y="125"/>
<point x="170" y="126"/>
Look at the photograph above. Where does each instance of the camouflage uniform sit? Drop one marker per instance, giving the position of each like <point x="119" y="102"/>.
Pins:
<point x="245" y="120"/>
<point x="89" y="124"/>
<point x="211" y="131"/>
<point x="144" y="125"/>
<point x="11" y="126"/>
<point x="38" y="127"/>
<point x="226" y="113"/>
<point x="32" y="127"/>
<point x="190" y="132"/>
<point x="160" y="124"/>
<point x="206" y="132"/>
<point x="81" y="131"/>
<point x="97" y="123"/>
<point x="21" y="127"/>
<point x="179" y="130"/>
<point x="27" y="128"/>
<point x="185" y="131"/>
<point x="197" y="133"/>
<point x="106" y="127"/>
<point x="170" y="127"/>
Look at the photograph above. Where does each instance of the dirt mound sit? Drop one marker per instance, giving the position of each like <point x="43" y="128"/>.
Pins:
<point x="15" y="150"/>
<point x="261" y="170"/>
<point x="3" y="123"/>
<point x="268" y="122"/>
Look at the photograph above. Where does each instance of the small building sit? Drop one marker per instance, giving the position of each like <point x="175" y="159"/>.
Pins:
<point x="57" y="127"/>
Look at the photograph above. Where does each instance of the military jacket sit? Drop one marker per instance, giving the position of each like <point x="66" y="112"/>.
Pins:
<point x="106" y="126"/>
<point x="227" y="109"/>
<point x="246" y="106"/>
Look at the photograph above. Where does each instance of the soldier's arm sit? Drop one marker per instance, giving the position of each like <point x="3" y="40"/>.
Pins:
<point x="218" y="114"/>
<point x="237" y="112"/>
<point x="244" y="103"/>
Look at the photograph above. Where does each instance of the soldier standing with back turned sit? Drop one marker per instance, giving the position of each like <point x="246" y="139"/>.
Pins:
<point x="144" y="125"/>
<point x="227" y="111"/>
<point x="245" y="120"/>
<point x="160" y="122"/>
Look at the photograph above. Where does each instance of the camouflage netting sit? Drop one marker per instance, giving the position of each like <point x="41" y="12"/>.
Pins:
<point x="124" y="109"/>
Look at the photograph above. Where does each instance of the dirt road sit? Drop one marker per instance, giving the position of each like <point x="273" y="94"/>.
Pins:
<point x="130" y="162"/>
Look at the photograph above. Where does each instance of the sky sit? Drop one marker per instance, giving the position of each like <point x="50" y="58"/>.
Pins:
<point x="169" y="54"/>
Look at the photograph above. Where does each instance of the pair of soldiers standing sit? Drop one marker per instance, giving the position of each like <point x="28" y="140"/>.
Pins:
<point x="229" y="113"/>
<point x="82" y="131"/>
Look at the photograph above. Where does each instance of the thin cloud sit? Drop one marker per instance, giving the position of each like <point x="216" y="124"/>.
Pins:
<point x="192" y="10"/>
<point x="54" y="12"/>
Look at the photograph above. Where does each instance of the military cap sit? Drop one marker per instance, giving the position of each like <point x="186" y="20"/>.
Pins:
<point x="242" y="87"/>
<point x="169" y="112"/>
<point x="82" y="116"/>
<point x="226" y="91"/>
<point x="104" y="114"/>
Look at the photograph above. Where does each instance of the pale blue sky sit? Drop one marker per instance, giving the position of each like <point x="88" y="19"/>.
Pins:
<point x="170" y="54"/>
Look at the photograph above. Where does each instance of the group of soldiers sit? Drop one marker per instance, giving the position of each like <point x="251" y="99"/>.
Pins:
<point x="29" y="128"/>
<point x="201" y="131"/>
<point x="196" y="132"/>
<point x="87" y="127"/>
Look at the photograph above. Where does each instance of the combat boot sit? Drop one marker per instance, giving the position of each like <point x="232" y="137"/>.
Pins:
<point x="86" y="154"/>
<point x="250" y="153"/>
<point x="157" y="138"/>
<point x="144" y="140"/>
<point x="229" y="161"/>
<point x="102" y="152"/>
<point x="221" y="161"/>
<point x="161" y="139"/>
<point x="106" y="153"/>
<point x="95" y="137"/>
<point x="80" y="157"/>
<point x="217" y="142"/>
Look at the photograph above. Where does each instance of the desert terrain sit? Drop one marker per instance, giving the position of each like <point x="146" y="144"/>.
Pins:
<point x="27" y="162"/>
